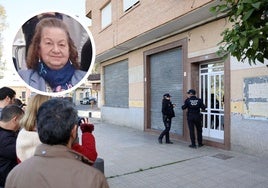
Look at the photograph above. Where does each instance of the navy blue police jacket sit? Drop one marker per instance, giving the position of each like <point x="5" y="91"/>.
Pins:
<point x="193" y="104"/>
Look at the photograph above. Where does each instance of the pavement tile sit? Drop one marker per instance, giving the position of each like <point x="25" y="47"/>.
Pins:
<point x="135" y="159"/>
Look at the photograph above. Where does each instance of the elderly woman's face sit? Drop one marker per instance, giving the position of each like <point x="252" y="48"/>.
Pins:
<point x="54" y="48"/>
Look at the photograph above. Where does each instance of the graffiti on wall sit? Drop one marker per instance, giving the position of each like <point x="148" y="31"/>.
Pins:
<point x="256" y="97"/>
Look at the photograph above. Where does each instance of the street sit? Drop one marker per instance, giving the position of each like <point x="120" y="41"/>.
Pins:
<point x="88" y="111"/>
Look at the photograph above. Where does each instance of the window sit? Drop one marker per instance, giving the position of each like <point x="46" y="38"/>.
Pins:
<point x="81" y="95"/>
<point x="127" y="4"/>
<point x="23" y="95"/>
<point x="106" y="15"/>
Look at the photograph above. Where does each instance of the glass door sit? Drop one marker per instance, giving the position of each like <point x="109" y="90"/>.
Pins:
<point x="212" y="92"/>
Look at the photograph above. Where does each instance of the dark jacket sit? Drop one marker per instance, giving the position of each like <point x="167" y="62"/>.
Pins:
<point x="167" y="108"/>
<point x="8" y="158"/>
<point x="193" y="104"/>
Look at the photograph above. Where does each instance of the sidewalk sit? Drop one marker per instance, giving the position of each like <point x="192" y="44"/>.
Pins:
<point x="134" y="159"/>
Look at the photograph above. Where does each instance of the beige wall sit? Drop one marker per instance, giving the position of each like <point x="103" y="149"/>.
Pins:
<point x="242" y="134"/>
<point x="19" y="90"/>
<point x="201" y="40"/>
<point x="239" y="72"/>
<point x="145" y="16"/>
<point x="204" y="39"/>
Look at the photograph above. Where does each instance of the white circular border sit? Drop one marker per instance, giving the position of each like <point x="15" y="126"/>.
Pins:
<point x="83" y="80"/>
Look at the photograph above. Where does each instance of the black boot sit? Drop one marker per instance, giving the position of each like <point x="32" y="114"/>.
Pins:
<point x="167" y="139"/>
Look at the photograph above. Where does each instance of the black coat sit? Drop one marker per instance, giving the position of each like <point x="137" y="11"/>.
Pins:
<point x="8" y="157"/>
<point x="193" y="104"/>
<point x="167" y="108"/>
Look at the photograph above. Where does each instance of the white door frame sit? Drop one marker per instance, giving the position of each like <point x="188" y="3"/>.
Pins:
<point x="211" y="84"/>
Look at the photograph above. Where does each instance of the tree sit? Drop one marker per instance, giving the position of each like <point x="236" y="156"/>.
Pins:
<point x="2" y="27"/>
<point x="248" y="36"/>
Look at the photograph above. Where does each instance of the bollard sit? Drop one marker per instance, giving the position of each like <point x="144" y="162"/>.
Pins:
<point x="89" y="114"/>
<point x="99" y="164"/>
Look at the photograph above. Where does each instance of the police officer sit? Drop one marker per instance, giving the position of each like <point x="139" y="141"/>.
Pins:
<point x="193" y="104"/>
<point x="167" y="114"/>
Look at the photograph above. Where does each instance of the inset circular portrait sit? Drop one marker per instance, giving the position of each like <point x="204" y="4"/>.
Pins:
<point x="53" y="53"/>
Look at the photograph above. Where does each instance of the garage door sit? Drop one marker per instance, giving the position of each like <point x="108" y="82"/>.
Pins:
<point x="166" y="76"/>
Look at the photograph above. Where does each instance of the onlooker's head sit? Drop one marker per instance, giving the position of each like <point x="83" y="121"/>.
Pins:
<point x="7" y="96"/>
<point x="19" y="103"/>
<point x="28" y="122"/>
<point x="10" y="117"/>
<point x="45" y="39"/>
<point x="57" y="121"/>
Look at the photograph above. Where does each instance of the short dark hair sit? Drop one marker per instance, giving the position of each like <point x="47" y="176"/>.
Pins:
<point x="55" y="121"/>
<point x="10" y="111"/>
<point x="19" y="103"/>
<point x="6" y="91"/>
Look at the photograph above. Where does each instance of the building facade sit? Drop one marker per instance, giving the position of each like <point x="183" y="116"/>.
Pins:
<point x="148" y="48"/>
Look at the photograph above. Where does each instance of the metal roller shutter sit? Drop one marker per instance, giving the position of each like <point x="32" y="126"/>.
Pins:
<point x="166" y="76"/>
<point x="116" y="86"/>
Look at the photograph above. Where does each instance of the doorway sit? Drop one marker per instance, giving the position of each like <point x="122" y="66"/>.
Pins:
<point x="211" y="90"/>
<point x="163" y="68"/>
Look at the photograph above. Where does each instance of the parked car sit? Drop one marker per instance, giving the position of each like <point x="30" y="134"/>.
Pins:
<point x="88" y="100"/>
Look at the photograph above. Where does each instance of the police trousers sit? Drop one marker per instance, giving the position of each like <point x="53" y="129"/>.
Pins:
<point x="194" y="121"/>
<point x="165" y="132"/>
